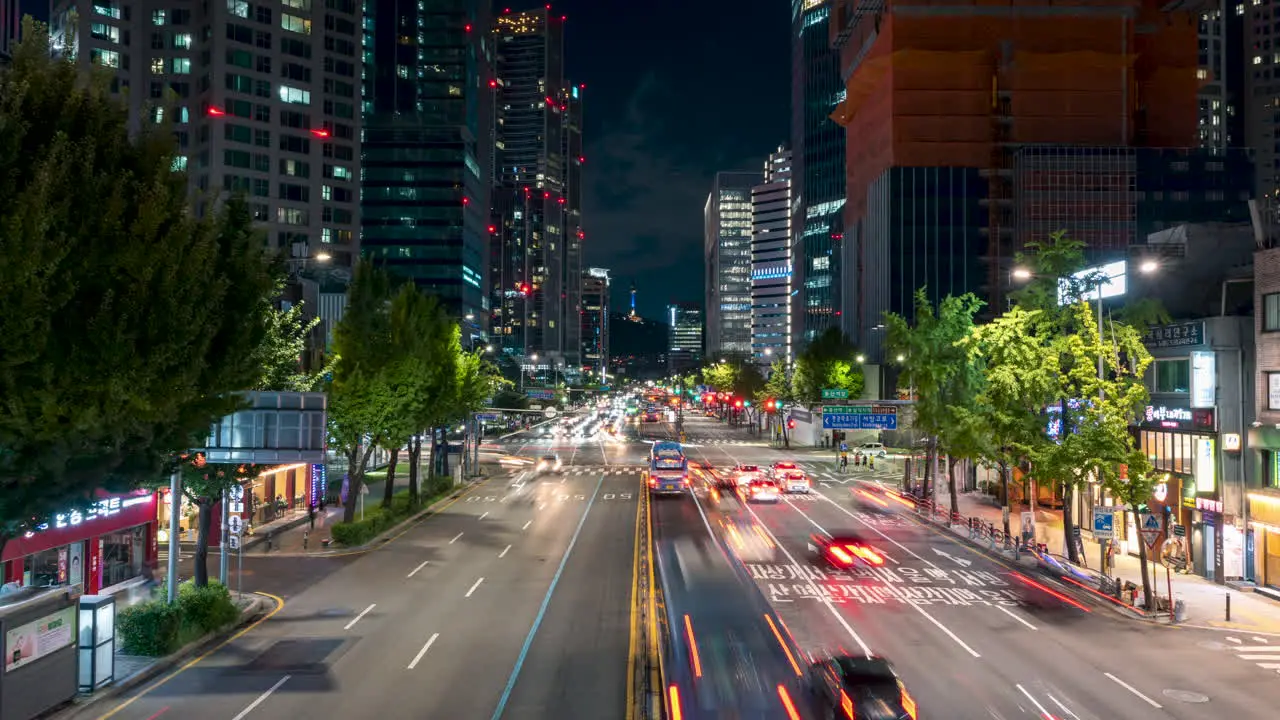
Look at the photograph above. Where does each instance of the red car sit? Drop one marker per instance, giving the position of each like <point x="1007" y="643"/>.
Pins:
<point x="844" y="551"/>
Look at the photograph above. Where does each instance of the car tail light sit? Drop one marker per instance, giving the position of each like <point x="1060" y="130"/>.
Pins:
<point x="867" y="554"/>
<point x="839" y="555"/>
<point x="653" y="482"/>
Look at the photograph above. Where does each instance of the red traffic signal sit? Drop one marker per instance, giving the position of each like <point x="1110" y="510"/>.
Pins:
<point x="525" y="289"/>
<point x="769" y="404"/>
<point x="791" y="423"/>
<point x="737" y="403"/>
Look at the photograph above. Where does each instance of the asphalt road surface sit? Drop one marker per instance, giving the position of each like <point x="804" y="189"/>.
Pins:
<point x="514" y="602"/>
<point x="971" y="637"/>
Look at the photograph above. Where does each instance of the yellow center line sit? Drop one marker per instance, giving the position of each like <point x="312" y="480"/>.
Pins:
<point x="196" y="661"/>
<point x="633" y="648"/>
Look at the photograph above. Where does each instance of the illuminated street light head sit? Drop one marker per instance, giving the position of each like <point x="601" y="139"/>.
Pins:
<point x="901" y="357"/>
<point x="861" y="359"/>
<point x="1148" y="266"/>
<point x="1021" y="274"/>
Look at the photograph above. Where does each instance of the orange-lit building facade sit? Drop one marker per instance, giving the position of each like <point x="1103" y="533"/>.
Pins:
<point x="942" y="95"/>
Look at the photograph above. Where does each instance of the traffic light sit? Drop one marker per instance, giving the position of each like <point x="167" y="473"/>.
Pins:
<point x="746" y="403"/>
<point x="769" y="405"/>
<point x="791" y="423"/>
<point x="737" y="403"/>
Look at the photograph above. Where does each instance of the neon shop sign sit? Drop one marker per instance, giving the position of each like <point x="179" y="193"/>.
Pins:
<point x="101" y="509"/>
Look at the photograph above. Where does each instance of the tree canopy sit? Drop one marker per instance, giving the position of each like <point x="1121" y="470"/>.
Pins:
<point x="829" y="362"/>
<point x="128" y="320"/>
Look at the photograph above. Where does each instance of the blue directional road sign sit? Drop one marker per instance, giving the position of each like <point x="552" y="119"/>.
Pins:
<point x="487" y="417"/>
<point x="860" y="421"/>
<point x="1104" y="523"/>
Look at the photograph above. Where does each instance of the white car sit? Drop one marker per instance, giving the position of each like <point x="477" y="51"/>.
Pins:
<point x="549" y="463"/>
<point x="874" y="449"/>
<point x="761" y="491"/>
<point x="795" y="481"/>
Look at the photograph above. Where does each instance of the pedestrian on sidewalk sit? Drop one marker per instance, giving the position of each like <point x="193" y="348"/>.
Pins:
<point x="311" y="515"/>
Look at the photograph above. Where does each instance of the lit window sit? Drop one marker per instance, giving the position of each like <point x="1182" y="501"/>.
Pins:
<point x="157" y="115"/>
<point x="326" y="235"/>
<point x="182" y="66"/>
<point x="105" y="58"/>
<point x="182" y="41"/>
<point x="159" y="17"/>
<point x="293" y="23"/>
<point x="179" y="163"/>
<point x="326" y="192"/>
<point x="184" y="116"/>
<point x="239" y="8"/>
<point x="402" y="72"/>
<point x="299" y="4"/>
<point x="341" y="173"/>
<point x="157" y="66"/>
<point x="1257" y="59"/>
<point x="294" y="95"/>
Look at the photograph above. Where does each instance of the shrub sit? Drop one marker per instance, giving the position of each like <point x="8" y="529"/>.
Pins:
<point x="206" y="609"/>
<point x="155" y="628"/>
<point x="149" y="628"/>
<point x="378" y="520"/>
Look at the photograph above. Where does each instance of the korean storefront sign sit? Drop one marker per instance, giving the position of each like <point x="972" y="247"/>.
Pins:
<point x="1204" y="380"/>
<point x="1185" y="334"/>
<point x="101" y="509"/>
<point x="1206" y="478"/>
<point x="1167" y="417"/>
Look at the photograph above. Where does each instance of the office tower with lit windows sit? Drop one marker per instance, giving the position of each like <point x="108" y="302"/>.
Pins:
<point x="685" y="332"/>
<point x="817" y="178"/>
<point x="536" y="263"/>
<point x="594" y="326"/>
<point x="771" y="262"/>
<point x="264" y="100"/>
<point x="727" y="251"/>
<point x="428" y="144"/>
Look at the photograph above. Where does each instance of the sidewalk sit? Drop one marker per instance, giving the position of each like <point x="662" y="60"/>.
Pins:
<point x="1205" y="601"/>
<point x="295" y="534"/>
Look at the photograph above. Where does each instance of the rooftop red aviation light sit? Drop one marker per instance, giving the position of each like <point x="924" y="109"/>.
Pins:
<point x="320" y="132"/>
<point x="493" y="83"/>
<point x="216" y="111"/>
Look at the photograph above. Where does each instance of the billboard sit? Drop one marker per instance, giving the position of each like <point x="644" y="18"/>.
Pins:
<point x="1111" y="280"/>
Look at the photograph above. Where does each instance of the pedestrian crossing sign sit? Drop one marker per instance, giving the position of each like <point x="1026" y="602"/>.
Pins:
<point x="1150" y="528"/>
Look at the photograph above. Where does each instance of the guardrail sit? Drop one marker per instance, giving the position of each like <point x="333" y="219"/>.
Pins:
<point x="652" y="615"/>
<point x="984" y="533"/>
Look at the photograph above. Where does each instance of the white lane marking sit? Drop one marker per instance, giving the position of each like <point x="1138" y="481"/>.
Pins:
<point x="1015" y="617"/>
<point x="1065" y="709"/>
<point x="262" y="698"/>
<point x="895" y="591"/>
<point x="1255" y="638"/>
<point x="415" y="570"/>
<point x="360" y="616"/>
<point x="1234" y="640"/>
<point x="542" y="506"/>
<point x="1258" y="648"/>
<point x="416" y="658"/>
<point x="504" y="551"/>
<point x="1044" y="712"/>
<point x="1259" y="657"/>
<point x="455" y="538"/>
<point x="812" y="585"/>
<point x="526" y="525"/>
<point x="1134" y="690"/>
<point x="473" y="587"/>
<point x="877" y="531"/>
<point x="1269" y="666"/>
<point x="483" y="516"/>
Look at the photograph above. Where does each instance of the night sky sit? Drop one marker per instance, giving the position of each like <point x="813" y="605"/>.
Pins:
<point x="676" y="90"/>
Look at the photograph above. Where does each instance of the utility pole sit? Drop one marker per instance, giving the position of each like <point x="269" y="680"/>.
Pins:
<point x="224" y="552"/>
<point x="175" y="510"/>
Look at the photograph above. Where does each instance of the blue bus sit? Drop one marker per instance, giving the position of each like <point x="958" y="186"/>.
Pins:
<point x="668" y="468"/>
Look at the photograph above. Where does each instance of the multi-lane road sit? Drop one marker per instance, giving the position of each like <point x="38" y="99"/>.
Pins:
<point x="516" y="601"/>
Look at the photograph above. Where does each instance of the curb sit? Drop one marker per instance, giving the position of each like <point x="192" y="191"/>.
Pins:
<point x="387" y="535"/>
<point x="83" y="704"/>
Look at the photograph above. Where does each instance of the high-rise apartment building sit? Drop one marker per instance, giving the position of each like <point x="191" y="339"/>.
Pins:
<point x="941" y="97"/>
<point x="427" y="166"/>
<point x="594" y="326"/>
<point x="727" y="250"/>
<point x="536" y="256"/>
<point x="685" y="351"/>
<point x="264" y="98"/>
<point x="771" y="262"/>
<point x="817" y="184"/>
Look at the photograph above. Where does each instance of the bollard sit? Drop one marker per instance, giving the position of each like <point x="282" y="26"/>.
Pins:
<point x="305" y="536"/>
<point x="1228" y="607"/>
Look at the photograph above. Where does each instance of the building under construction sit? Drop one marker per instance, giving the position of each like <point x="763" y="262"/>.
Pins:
<point x="942" y="97"/>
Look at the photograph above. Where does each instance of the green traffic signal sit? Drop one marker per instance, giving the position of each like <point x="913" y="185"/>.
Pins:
<point x="746" y="403"/>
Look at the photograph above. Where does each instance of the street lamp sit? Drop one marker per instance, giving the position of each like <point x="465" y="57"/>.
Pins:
<point x="901" y="357"/>
<point x="861" y="359"/>
<point x="1021" y="274"/>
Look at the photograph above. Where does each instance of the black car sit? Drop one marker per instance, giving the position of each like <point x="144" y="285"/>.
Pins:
<point x="864" y="687"/>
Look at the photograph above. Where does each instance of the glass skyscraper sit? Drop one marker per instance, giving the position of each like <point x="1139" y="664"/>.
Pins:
<point x="818" y="160"/>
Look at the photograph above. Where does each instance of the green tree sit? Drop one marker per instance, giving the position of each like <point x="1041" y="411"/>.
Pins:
<point x="946" y="383"/>
<point x="441" y="395"/>
<point x="204" y="485"/>
<point x="363" y="405"/>
<point x="721" y="376"/>
<point x="1019" y="353"/>
<point x="777" y="388"/>
<point x="281" y="355"/>
<point x="829" y="362"/>
<point x="128" y="322"/>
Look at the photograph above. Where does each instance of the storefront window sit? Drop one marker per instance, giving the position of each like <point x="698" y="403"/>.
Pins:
<point x="1172" y="376"/>
<point x="123" y="554"/>
<point x="1168" y="451"/>
<point x="46" y="568"/>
